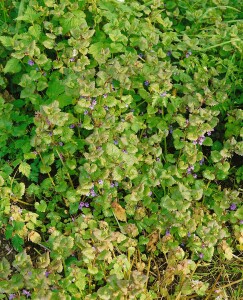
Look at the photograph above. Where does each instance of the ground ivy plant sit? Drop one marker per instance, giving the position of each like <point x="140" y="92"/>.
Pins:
<point x="121" y="148"/>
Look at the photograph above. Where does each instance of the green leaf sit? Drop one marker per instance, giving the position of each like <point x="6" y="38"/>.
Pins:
<point x="5" y="270"/>
<point x="208" y="175"/>
<point x="17" y="242"/>
<point x="25" y="168"/>
<point x="13" y="66"/>
<point x="41" y="206"/>
<point x="112" y="150"/>
<point x="71" y="20"/>
<point x="216" y="156"/>
<point x="35" y="31"/>
<point x="7" y="41"/>
<point x="239" y="213"/>
<point x="117" y="174"/>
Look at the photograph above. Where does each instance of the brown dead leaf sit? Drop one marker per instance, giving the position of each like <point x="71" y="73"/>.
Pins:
<point x="119" y="211"/>
<point x="153" y="239"/>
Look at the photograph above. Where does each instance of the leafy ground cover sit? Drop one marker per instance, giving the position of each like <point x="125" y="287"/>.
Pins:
<point x="121" y="149"/>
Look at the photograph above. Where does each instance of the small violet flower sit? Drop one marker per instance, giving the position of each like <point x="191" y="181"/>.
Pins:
<point x="190" y="169"/>
<point x="201" y="255"/>
<point x="47" y="273"/>
<point x="115" y="142"/>
<point x="86" y="112"/>
<point x="233" y="206"/>
<point x="188" y="234"/>
<point x="30" y="62"/>
<point x="189" y="53"/>
<point x="71" y="126"/>
<point x="201" y="161"/>
<point x="195" y="175"/>
<point x="241" y="222"/>
<point x="105" y="96"/>
<point x="169" y="53"/>
<point x="167" y="232"/>
<point x="93" y="193"/>
<point x="163" y="94"/>
<point x="26" y="293"/>
<point x="171" y="129"/>
<point x="100" y="181"/>
<point x="146" y="83"/>
<point x="83" y="204"/>
<point x="112" y="184"/>
<point x="61" y="144"/>
<point x="72" y="59"/>
<point x="12" y="296"/>
<point x="106" y="107"/>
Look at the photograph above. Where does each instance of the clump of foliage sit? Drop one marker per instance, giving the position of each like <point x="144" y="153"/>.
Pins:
<point x="121" y="147"/>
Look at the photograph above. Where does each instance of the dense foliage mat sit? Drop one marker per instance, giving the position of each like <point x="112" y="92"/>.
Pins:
<point x="121" y="149"/>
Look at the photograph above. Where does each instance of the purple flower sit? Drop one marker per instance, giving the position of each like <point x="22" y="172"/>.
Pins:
<point x="91" y="107"/>
<point x="190" y="169"/>
<point x="94" y="102"/>
<point x="115" y="142"/>
<point x="140" y="55"/>
<point x="100" y="181"/>
<point x="194" y="142"/>
<point x="201" y="139"/>
<point x="79" y="124"/>
<point x="146" y="83"/>
<point x="188" y="54"/>
<point x="209" y="132"/>
<point x="26" y="293"/>
<point x="86" y="112"/>
<point x="61" y="144"/>
<point x="167" y="232"/>
<point x="106" y="107"/>
<point x="201" y="161"/>
<point x="116" y="183"/>
<point x="47" y="273"/>
<point x="241" y="222"/>
<point x="50" y="133"/>
<point x="163" y="94"/>
<point x="30" y="62"/>
<point x="169" y="53"/>
<point x="105" y="96"/>
<point x="157" y="159"/>
<point x="83" y="204"/>
<point x="188" y="234"/>
<point x="11" y="296"/>
<point x="201" y="255"/>
<point x="233" y="206"/>
<point x="71" y="126"/>
<point x="93" y="193"/>
<point x="72" y="59"/>
<point x="195" y="175"/>
<point x="150" y="193"/>
<point x="124" y="151"/>
<point x="171" y="129"/>
<point x="112" y="185"/>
